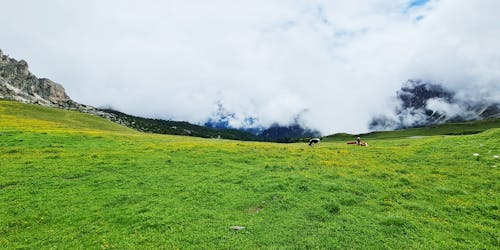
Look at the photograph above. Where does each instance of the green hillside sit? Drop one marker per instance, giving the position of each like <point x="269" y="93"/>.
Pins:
<point x="31" y="117"/>
<point x="461" y="128"/>
<point x="74" y="181"/>
<point x="159" y="126"/>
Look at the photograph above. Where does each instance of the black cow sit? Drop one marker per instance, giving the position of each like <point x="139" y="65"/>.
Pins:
<point x="313" y="141"/>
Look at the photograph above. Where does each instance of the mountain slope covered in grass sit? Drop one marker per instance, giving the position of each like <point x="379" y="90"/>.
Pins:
<point x="460" y="128"/>
<point x="159" y="126"/>
<point x="70" y="180"/>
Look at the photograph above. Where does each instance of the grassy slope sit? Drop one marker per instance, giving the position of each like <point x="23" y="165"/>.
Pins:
<point x="462" y="128"/>
<point x="159" y="126"/>
<point x="69" y="180"/>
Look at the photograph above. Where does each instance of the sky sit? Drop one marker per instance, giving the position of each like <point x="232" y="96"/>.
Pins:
<point x="331" y="65"/>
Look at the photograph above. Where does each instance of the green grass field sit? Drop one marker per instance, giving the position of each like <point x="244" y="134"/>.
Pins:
<point x="462" y="128"/>
<point x="74" y="181"/>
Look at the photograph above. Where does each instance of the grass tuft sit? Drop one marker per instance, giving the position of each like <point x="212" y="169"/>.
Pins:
<point x="332" y="208"/>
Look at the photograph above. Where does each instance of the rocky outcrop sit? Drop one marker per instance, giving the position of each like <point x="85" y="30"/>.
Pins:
<point x="19" y="84"/>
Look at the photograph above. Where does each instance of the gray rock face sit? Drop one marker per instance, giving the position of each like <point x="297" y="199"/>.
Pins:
<point x="18" y="84"/>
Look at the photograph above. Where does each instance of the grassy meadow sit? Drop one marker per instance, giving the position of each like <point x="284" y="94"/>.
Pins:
<point x="462" y="128"/>
<point x="74" y="181"/>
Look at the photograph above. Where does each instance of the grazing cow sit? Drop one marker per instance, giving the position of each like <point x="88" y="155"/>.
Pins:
<point x="358" y="142"/>
<point x="313" y="141"/>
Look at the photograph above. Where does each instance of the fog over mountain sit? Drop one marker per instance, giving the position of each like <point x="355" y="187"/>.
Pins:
<point x="423" y="103"/>
<point x="334" y="64"/>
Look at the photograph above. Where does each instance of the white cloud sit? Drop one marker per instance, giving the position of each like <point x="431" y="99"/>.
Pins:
<point x="449" y="109"/>
<point x="339" y="60"/>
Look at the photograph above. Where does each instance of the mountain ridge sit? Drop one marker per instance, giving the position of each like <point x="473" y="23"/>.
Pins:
<point x="423" y="103"/>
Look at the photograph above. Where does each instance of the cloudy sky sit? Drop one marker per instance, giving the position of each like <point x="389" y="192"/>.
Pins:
<point x="333" y="63"/>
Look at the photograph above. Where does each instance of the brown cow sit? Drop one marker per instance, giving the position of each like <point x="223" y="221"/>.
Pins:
<point x="358" y="142"/>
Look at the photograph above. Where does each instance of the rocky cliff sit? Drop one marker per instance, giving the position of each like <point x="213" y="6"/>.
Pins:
<point x="19" y="84"/>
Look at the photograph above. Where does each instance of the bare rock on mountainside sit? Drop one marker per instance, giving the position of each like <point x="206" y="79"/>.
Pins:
<point x="19" y="84"/>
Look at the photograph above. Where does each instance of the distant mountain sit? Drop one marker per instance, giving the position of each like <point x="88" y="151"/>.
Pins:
<point x="425" y="103"/>
<point x="159" y="126"/>
<point x="290" y="133"/>
<point x="275" y="132"/>
<point x="222" y="118"/>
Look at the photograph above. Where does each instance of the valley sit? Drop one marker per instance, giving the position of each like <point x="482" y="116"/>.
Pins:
<point x="73" y="180"/>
